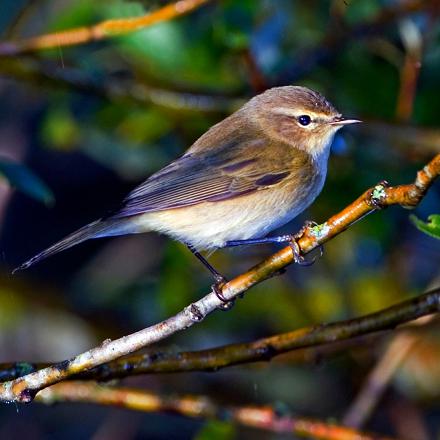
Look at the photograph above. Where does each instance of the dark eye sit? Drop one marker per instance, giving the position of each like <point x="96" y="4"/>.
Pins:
<point x="304" y="120"/>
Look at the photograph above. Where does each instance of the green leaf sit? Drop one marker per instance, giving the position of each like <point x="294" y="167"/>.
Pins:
<point x="20" y="177"/>
<point x="215" y="430"/>
<point x="431" y="227"/>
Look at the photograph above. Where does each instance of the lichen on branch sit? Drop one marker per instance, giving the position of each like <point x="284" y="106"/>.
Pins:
<point x="25" y="388"/>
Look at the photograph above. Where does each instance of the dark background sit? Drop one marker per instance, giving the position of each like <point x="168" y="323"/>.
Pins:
<point x="92" y="121"/>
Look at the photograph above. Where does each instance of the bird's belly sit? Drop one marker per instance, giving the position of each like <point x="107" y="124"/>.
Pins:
<point x="209" y="225"/>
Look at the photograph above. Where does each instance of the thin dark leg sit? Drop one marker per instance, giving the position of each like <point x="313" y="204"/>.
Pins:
<point x="291" y="239"/>
<point x="254" y="241"/>
<point x="218" y="277"/>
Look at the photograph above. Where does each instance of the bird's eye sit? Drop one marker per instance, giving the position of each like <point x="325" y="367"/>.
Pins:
<point x="304" y="120"/>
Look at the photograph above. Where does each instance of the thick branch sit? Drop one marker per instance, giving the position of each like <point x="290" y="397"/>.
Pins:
<point x="264" y="417"/>
<point x="260" y="350"/>
<point x="100" y="31"/>
<point x="25" y="388"/>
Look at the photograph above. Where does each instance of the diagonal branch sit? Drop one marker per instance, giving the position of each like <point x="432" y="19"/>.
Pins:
<point x="380" y="376"/>
<point x="380" y="196"/>
<point x="337" y="39"/>
<point x="100" y="31"/>
<point x="37" y="73"/>
<point x="256" y="351"/>
<point x="261" y="417"/>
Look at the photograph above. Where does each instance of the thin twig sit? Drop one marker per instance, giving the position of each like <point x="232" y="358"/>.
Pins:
<point x="334" y="42"/>
<point x="134" y="91"/>
<point x="40" y="74"/>
<point x="410" y="70"/>
<point x="263" y="349"/>
<point x="110" y="28"/>
<point x="100" y="31"/>
<point x="260" y="417"/>
<point x="378" y="379"/>
<point x="380" y="196"/>
<point x="380" y="376"/>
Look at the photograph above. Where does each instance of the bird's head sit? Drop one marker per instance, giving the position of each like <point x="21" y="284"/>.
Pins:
<point x="299" y="117"/>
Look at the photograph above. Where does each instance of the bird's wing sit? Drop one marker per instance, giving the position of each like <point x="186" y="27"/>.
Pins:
<point x="196" y="178"/>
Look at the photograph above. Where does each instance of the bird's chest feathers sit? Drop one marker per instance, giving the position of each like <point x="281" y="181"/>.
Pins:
<point x="279" y="205"/>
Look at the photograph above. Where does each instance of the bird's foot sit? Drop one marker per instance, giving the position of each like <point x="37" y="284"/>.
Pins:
<point x="217" y="287"/>
<point x="298" y="256"/>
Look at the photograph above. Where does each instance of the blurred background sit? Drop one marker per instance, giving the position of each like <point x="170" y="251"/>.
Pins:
<point x="81" y="126"/>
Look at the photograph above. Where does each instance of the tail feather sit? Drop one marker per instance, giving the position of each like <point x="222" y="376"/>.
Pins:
<point x="95" y="229"/>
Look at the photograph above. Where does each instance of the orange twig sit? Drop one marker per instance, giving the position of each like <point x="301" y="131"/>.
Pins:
<point x="408" y="83"/>
<point x="410" y="70"/>
<point x="100" y="31"/>
<point x="25" y="388"/>
<point x="373" y="199"/>
<point x="263" y="417"/>
<point x="334" y="41"/>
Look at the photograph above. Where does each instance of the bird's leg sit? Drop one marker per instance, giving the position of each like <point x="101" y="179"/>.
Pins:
<point x="218" y="277"/>
<point x="220" y="280"/>
<point x="292" y="239"/>
<point x="254" y="241"/>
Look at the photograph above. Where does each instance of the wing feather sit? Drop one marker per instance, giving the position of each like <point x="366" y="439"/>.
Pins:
<point x="213" y="176"/>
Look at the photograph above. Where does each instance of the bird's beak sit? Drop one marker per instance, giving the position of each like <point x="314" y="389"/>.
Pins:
<point x="339" y="120"/>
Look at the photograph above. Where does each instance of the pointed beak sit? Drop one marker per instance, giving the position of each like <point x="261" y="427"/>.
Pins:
<point x="339" y="120"/>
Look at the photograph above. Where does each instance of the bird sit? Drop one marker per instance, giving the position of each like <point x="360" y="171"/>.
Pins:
<point x="247" y="175"/>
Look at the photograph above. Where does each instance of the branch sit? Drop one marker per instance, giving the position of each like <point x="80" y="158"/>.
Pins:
<point x="111" y="28"/>
<point x="25" y="388"/>
<point x="134" y="91"/>
<point x="100" y="31"/>
<point x="335" y="41"/>
<point x="263" y="417"/>
<point x="260" y="350"/>
<point x="410" y="70"/>
<point x="41" y="74"/>
<point x="379" y="378"/>
<point x="381" y="375"/>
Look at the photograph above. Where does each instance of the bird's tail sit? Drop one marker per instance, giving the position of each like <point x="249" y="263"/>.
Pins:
<point x="96" y="229"/>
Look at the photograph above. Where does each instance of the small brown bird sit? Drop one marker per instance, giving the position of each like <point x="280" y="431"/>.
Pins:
<point x="247" y="175"/>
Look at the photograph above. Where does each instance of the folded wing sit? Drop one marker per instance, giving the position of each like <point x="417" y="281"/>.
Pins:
<point x="226" y="173"/>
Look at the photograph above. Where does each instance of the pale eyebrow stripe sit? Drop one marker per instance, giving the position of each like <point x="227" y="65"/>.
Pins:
<point x="291" y="112"/>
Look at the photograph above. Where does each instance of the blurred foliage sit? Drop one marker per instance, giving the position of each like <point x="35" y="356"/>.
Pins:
<point x="214" y="430"/>
<point x="93" y="120"/>
<point x="20" y="177"/>
<point x="420" y="372"/>
<point x="431" y="227"/>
